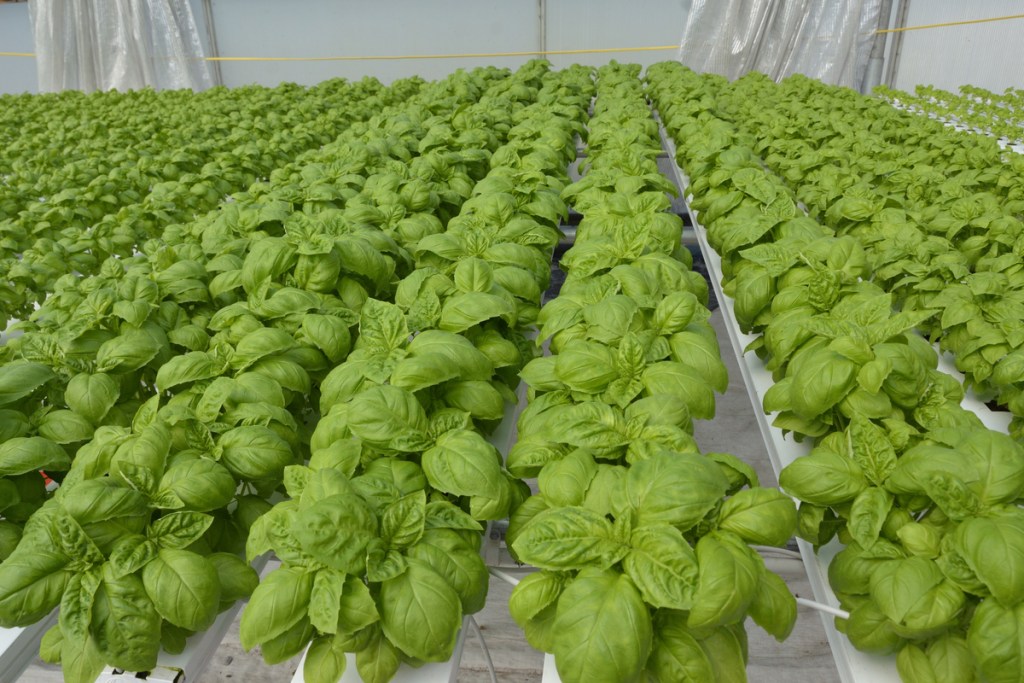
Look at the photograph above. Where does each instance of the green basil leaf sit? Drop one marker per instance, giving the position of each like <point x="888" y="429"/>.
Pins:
<point x="480" y="399"/>
<point x="674" y="312"/>
<point x="80" y="660"/>
<point x="823" y="478"/>
<point x="336" y="531"/>
<point x="190" y="367"/>
<point x="404" y="521"/>
<point x="915" y="596"/>
<point x="260" y="343"/>
<point x="821" y="381"/>
<point x="28" y="454"/>
<point x="584" y="366"/>
<point x="945" y="659"/>
<point x="671" y="488"/>
<point x="462" y="311"/>
<point x="420" y="613"/>
<point x="774" y="607"/>
<point x="131" y="554"/>
<point x="701" y="353"/>
<point x="75" y="542"/>
<point x="129" y="351"/>
<point x="534" y="593"/>
<point x="179" y="529"/>
<point x="682" y="381"/>
<point x="566" y="481"/>
<point x="378" y="662"/>
<point x="994" y="548"/>
<point x="279" y="602"/>
<point x="184" y="588"/>
<point x="472" y="363"/>
<point x="125" y="623"/>
<point x="676" y="655"/>
<point x="51" y="645"/>
<point x="325" y="599"/>
<point x="414" y="373"/>
<point x="871" y="631"/>
<point x="76" y="605"/>
<point x="568" y="538"/>
<point x="465" y="464"/>
<point x="871" y="448"/>
<point x="726" y="649"/>
<point x="357" y="609"/>
<point x="65" y="427"/>
<point x="761" y="516"/>
<point x="200" y="484"/>
<point x="730" y="573"/>
<point x="996" y="641"/>
<point x="236" y="577"/>
<point x="288" y="644"/>
<point x="254" y="453"/>
<point x="461" y="565"/>
<point x="663" y="566"/>
<point x="382" y="326"/>
<point x="383" y="563"/>
<point x="868" y="513"/>
<point x="323" y="663"/>
<point x="443" y="515"/>
<point x="389" y="417"/>
<point x="21" y="378"/>
<point x="266" y="258"/>
<point x="328" y="333"/>
<point x="602" y="629"/>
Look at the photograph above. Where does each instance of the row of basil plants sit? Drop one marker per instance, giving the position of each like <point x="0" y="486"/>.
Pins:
<point x="203" y="400"/>
<point x="61" y="136"/>
<point x="88" y="360"/>
<point x="941" y="226"/>
<point x="981" y="110"/>
<point x="642" y="541"/>
<point x="922" y="496"/>
<point x="380" y="541"/>
<point x="71" y="220"/>
<point x="90" y="355"/>
<point x="42" y="133"/>
<point x="70" y="142"/>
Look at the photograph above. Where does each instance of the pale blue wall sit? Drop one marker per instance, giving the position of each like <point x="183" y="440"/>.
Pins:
<point x="249" y="28"/>
<point x="986" y="55"/>
<point x="579" y="24"/>
<point x="17" y="74"/>
<point x="252" y="28"/>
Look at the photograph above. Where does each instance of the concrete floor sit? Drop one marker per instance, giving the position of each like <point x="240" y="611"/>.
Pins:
<point x="804" y="658"/>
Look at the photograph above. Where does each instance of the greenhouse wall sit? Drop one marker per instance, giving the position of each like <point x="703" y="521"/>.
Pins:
<point x="986" y="55"/>
<point x="574" y="24"/>
<point x="249" y="28"/>
<point x="17" y="74"/>
<point x="255" y="28"/>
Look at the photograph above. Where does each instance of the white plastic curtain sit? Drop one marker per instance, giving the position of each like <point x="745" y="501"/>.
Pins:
<point x="117" y="44"/>
<point x="829" y="40"/>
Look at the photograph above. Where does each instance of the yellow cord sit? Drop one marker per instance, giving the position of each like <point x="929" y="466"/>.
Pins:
<point x="949" y="23"/>
<point x="528" y="53"/>
<point x="475" y="55"/>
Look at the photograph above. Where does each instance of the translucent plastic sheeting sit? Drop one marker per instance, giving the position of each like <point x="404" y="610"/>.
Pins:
<point x="117" y="45"/>
<point x="830" y="41"/>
